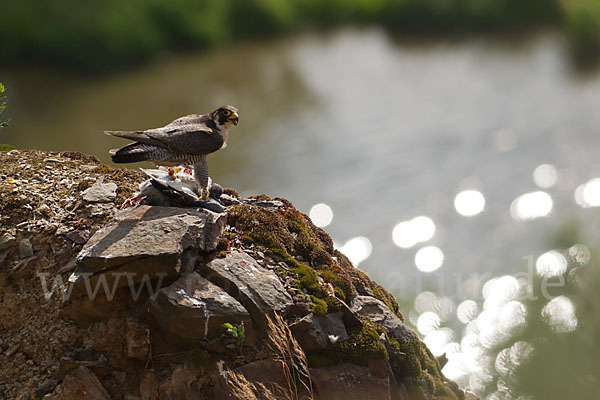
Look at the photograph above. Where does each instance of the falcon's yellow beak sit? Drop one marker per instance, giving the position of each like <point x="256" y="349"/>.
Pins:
<point x="234" y="117"/>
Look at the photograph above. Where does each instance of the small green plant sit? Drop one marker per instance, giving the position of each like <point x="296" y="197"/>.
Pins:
<point x="3" y="147"/>
<point x="2" y="106"/>
<point x="236" y="335"/>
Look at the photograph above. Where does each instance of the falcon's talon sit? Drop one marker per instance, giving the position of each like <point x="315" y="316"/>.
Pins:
<point x="135" y="200"/>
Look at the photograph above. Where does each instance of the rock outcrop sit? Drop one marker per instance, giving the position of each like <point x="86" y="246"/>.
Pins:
<point x="179" y="303"/>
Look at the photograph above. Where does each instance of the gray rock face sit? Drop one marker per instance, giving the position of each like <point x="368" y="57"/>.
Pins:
<point x="192" y="309"/>
<point x="316" y="332"/>
<point x="100" y="192"/>
<point x="146" y="243"/>
<point x="349" y="381"/>
<point x="257" y="288"/>
<point x="78" y="384"/>
<point x="25" y="249"/>
<point x="378" y="312"/>
<point x="7" y="240"/>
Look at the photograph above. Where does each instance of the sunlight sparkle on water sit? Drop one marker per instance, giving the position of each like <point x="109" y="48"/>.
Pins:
<point x="466" y="311"/>
<point x="357" y="249"/>
<point x="559" y="313"/>
<point x="580" y="254"/>
<point x="428" y="322"/>
<point x="425" y="301"/>
<point x="408" y="233"/>
<point x="588" y="194"/>
<point x="551" y="263"/>
<point x="520" y="351"/>
<point x="469" y="203"/>
<point x="437" y="340"/>
<point x="429" y="258"/>
<point x="545" y="176"/>
<point x="512" y="315"/>
<point x="321" y="215"/>
<point x="530" y="206"/>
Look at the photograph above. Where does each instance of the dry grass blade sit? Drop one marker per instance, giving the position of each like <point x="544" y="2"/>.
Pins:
<point x="241" y="388"/>
<point x="293" y="359"/>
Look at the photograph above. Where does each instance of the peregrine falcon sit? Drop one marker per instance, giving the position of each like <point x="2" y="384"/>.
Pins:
<point x="187" y="140"/>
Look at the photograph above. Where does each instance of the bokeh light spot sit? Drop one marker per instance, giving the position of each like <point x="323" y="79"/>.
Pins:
<point x="466" y="311"/>
<point x="429" y="259"/>
<point x="580" y="254"/>
<point x="428" y="322"/>
<point x="545" y="176"/>
<point x="425" y="301"/>
<point x="437" y="340"/>
<point x="559" y="313"/>
<point x="531" y="206"/>
<point x="321" y="215"/>
<point x="588" y="194"/>
<point x="551" y="263"/>
<point x="357" y="249"/>
<point x="408" y="233"/>
<point x="469" y="203"/>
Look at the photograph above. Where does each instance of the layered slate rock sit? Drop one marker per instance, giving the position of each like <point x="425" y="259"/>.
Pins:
<point x="78" y="384"/>
<point x="100" y="192"/>
<point x="144" y="243"/>
<point x="317" y="332"/>
<point x="193" y="309"/>
<point x="256" y="287"/>
<point x="349" y="381"/>
<point x="376" y="310"/>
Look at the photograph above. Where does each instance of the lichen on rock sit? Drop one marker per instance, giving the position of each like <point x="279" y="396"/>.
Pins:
<point x="166" y="335"/>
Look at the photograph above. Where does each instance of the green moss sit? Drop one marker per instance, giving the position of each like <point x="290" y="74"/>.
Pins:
<point x="289" y="236"/>
<point x="416" y="361"/>
<point x="223" y="244"/>
<point x="342" y="287"/>
<point x="440" y="389"/>
<point x="247" y="240"/>
<point x="283" y="234"/>
<point x="362" y="346"/>
<point x="320" y="306"/>
<point x="386" y="298"/>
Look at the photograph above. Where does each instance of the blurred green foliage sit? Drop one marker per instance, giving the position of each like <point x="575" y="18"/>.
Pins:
<point x="583" y="26"/>
<point x="564" y="363"/>
<point x="102" y="35"/>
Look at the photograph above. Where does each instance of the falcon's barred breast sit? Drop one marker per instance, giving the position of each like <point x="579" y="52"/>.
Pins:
<point x="187" y="140"/>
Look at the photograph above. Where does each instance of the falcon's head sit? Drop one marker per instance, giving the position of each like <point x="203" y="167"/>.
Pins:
<point x="225" y="116"/>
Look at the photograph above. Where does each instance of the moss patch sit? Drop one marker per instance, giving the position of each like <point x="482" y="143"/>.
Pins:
<point x="289" y="236"/>
<point x="362" y="346"/>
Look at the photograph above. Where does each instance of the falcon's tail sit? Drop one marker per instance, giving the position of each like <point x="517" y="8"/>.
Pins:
<point x="134" y="152"/>
<point x="131" y="135"/>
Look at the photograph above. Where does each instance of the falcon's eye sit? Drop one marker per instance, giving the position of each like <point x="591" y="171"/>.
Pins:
<point x="226" y="113"/>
